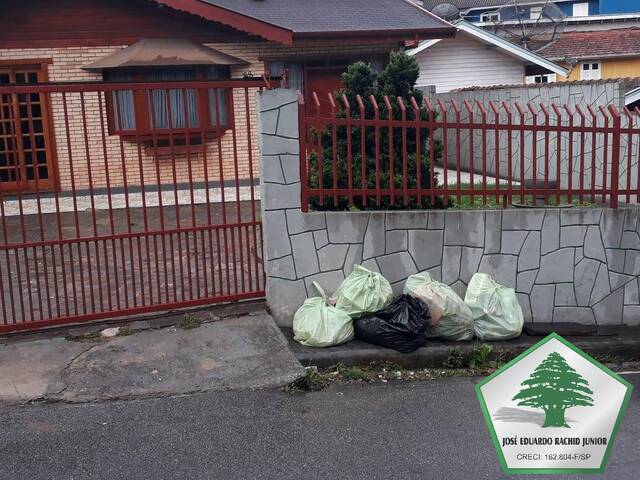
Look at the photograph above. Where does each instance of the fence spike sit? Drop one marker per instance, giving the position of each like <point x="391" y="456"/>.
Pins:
<point x="316" y="101"/>
<point x="429" y="105"/>
<point x="532" y="109"/>
<point x="468" y="106"/>
<point x="345" y="102"/>
<point x="300" y="98"/>
<point x="506" y="107"/>
<point x="613" y="110"/>
<point x="481" y="107"/>
<point x="374" y="102"/>
<point x="414" y="105"/>
<point x="360" y="103"/>
<point x="603" y="111"/>
<point x="545" y="110"/>
<point x="520" y="109"/>
<point x="567" y="109"/>
<point x="580" y="112"/>
<point x="454" y="105"/>
<point x="401" y="104"/>
<point x="493" y="108"/>
<point x="332" y="102"/>
<point x="387" y="103"/>
<point x="556" y="109"/>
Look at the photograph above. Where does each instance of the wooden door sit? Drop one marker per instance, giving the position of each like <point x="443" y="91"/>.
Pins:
<point x="323" y="81"/>
<point x="26" y="152"/>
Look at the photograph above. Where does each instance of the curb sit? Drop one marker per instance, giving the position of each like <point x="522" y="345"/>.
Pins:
<point x="436" y="353"/>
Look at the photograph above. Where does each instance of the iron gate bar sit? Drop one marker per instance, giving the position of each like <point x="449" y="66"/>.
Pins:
<point x="122" y="259"/>
<point x="529" y="148"/>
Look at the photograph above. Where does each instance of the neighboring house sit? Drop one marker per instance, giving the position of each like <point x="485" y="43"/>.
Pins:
<point x="169" y="40"/>
<point x="600" y="54"/>
<point x="476" y="57"/>
<point x="484" y="11"/>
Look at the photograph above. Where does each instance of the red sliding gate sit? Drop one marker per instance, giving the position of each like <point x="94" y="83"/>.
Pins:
<point x="125" y="198"/>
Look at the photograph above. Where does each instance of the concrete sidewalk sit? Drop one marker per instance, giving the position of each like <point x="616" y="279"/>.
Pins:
<point x="246" y="352"/>
<point x="609" y="342"/>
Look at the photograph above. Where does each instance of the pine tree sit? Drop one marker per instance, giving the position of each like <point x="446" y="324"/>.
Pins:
<point x="398" y="79"/>
<point x="555" y="386"/>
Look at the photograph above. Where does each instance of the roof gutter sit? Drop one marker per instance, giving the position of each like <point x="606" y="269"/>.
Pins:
<point x="596" y="57"/>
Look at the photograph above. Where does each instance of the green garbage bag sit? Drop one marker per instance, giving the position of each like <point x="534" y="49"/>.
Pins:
<point x="318" y="324"/>
<point x="450" y="317"/>
<point x="362" y="292"/>
<point x="497" y="315"/>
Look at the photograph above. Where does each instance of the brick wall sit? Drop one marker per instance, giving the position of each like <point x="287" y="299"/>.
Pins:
<point x="79" y="160"/>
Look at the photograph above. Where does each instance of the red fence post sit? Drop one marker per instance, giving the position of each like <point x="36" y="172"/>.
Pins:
<point x="615" y="155"/>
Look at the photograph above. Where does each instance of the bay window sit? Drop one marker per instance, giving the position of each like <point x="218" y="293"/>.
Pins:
<point x="174" y="111"/>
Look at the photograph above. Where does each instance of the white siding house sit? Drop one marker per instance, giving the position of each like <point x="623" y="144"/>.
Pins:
<point x="463" y="62"/>
<point x="476" y="58"/>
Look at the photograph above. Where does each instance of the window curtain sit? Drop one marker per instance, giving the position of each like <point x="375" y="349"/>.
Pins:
<point x="167" y="107"/>
<point x="123" y="104"/>
<point x="218" y="108"/>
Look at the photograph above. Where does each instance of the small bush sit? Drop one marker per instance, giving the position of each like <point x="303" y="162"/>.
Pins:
<point x="384" y="148"/>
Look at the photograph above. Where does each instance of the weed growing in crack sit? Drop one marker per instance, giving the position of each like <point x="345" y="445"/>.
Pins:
<point x="189" y="322"/>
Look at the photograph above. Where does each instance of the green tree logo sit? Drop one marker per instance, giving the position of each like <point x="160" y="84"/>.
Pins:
<point x="554" y="386"/>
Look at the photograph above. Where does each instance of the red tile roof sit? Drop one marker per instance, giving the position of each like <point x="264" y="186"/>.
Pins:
<point x="595" y="44"/>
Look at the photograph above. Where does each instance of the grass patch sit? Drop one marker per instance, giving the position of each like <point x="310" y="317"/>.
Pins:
<point x="189" y="322"/>
<point x="495" y="198"/>
<point x="481" y="361"/>
<point x="125" y="331"/>
<point x="88" y="337"/>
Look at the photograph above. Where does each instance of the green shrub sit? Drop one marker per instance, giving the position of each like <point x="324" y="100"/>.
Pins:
<point x="382" y="148"/>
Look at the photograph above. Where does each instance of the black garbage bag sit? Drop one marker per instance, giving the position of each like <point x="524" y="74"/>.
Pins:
<point x="401" y="326"/>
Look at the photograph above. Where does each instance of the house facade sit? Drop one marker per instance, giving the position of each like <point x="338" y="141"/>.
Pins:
<point x="58" y="141"/>
<point x="598" y="54"/>
<point x="488" y="11"/>
<point x="478" y="58"/>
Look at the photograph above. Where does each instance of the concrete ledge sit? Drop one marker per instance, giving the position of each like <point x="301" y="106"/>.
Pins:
<point x="622" y="342"/>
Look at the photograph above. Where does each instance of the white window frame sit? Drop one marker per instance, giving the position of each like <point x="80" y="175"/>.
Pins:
<point x="580" y="9"/>
<point x="535" y="12"/>
<point x="490" y="17"/>
<point x="590" y="70"/>
<point x="541" y="78"/>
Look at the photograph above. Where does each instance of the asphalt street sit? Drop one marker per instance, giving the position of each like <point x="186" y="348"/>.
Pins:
<point x="426" y="430"/>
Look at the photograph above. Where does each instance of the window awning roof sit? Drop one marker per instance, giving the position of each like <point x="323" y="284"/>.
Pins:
<point x="166" y="52"/>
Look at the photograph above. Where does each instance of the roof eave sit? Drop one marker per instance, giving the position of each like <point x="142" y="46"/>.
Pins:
<point x="232" y="19"/>
<point x="632" y="96"/>
<point x="595" y="57"/>
<point x="511" y="48"/>
<point x="401" y="34"/>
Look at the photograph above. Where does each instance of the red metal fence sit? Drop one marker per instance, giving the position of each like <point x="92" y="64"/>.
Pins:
<point x="124" y="198"/>
<point x="441" y="154"/>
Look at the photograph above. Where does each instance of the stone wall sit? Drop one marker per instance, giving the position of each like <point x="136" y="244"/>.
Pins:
<point x="583" y="94"/>
<point x="578" y="265"/>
